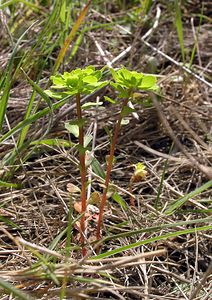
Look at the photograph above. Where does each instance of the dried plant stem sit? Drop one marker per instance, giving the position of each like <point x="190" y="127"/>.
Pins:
<point x="200" y="285"/>
<point x="82" y="172"/>
<point x="109" y="168"/>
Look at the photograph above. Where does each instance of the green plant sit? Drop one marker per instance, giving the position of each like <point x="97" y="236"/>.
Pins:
<point x="125" y="83"/>
<point x="86" y="81"/>
<point x="78" y="82"/>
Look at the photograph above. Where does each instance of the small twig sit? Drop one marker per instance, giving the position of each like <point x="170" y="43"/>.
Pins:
<point x="204" y="169"/>
<point x="155" y="25"/>
<point x="5" y="27"/>
<point x="39" y="248"/>
<point x="188" y="128"/>
<point x="126" y="260"/>
<point x="171" y="274"/>
<point x="16" y="242"/>
<point x="195" y="35"/>
<point x="160" y="154"/>
<point x="201" y="283"/>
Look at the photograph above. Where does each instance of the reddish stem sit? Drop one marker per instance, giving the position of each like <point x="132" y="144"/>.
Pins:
<point x="82" y="172"/>
<point x="109" y="169"/>
<point x="132" y="200"/>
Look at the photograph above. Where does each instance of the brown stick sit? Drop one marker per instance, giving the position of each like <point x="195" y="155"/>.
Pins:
<point x="204" y="169"/>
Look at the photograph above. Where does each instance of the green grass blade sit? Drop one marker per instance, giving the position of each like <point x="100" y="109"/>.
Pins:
<point x="33" y="118"/>
<point x="179" y="27"/>
<point x="44" y="97"/>
<point x="29" y="4"/>
<point x="177" y="204"/>
<point x="6" y="80"/>
<point x="4" y="101"/>
<point x="161" y="184"/>
<point x="10" y="223"/>
<point x="10" y="289"/>
<point x="131" y="233"/>
<point x="24" y="131"/>
<point x="196" y="38"/>
<point x="39" y="90"/>
<point x="146" y="5"/>
<point x="152" y="240"/>
<point x="9" y="184"/>
<point x="76" y="45"/>
<point x="70" y="37"/>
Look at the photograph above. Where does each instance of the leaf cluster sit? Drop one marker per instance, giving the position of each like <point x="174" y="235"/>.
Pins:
<point x="79" y="81"/>
<point x="126" y="82"/>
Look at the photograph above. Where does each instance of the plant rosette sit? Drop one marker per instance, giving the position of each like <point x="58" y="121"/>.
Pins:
<point x="79" y="81"/>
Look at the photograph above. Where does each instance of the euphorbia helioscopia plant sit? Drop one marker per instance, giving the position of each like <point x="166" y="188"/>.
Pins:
<point x="79" y="82"/>
<point x="86" y="81"/>
<point x="126" y="83"/>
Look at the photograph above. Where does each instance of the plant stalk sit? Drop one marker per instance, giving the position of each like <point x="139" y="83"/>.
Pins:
<point x="82" y="173"/>
<point x="109" y="168"/>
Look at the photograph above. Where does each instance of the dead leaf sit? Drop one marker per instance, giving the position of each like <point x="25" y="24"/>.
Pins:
<point x="73" y="189"/>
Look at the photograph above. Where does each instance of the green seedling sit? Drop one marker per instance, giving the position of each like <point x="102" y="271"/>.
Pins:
<point x="126" y="83"/>
<point x="78" y="82"/>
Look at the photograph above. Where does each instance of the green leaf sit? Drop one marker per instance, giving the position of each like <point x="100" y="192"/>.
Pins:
<point x="126" y="110"/>
<point x="87" y="139"/>
<point x="116" y="197"/>
<point x="81" y="149"/>
<point x="177" y="204"/>
<point x="125" y="74"/>
<point x="73" y="129"/>
<point x="58" y="80"/>
<point x="97" y="168"/>
<point x="110" y="100"/>
<point x="90" y="79"/>
<point x="63" y="12"/>
<point x="53" y="142"/>
<point x="91" y="104"/>
<point x="79" y="123"/>
<point x="74" y="83"/>
<point x="54" y="95"/>
<point x="114" y="74"/>
<point x="123" y="93"/>
<point x="148" y="82"/>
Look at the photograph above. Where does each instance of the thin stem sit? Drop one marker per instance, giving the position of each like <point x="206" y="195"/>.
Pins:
<point x="82" y="172"/>
<point x="109" y="168"/>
